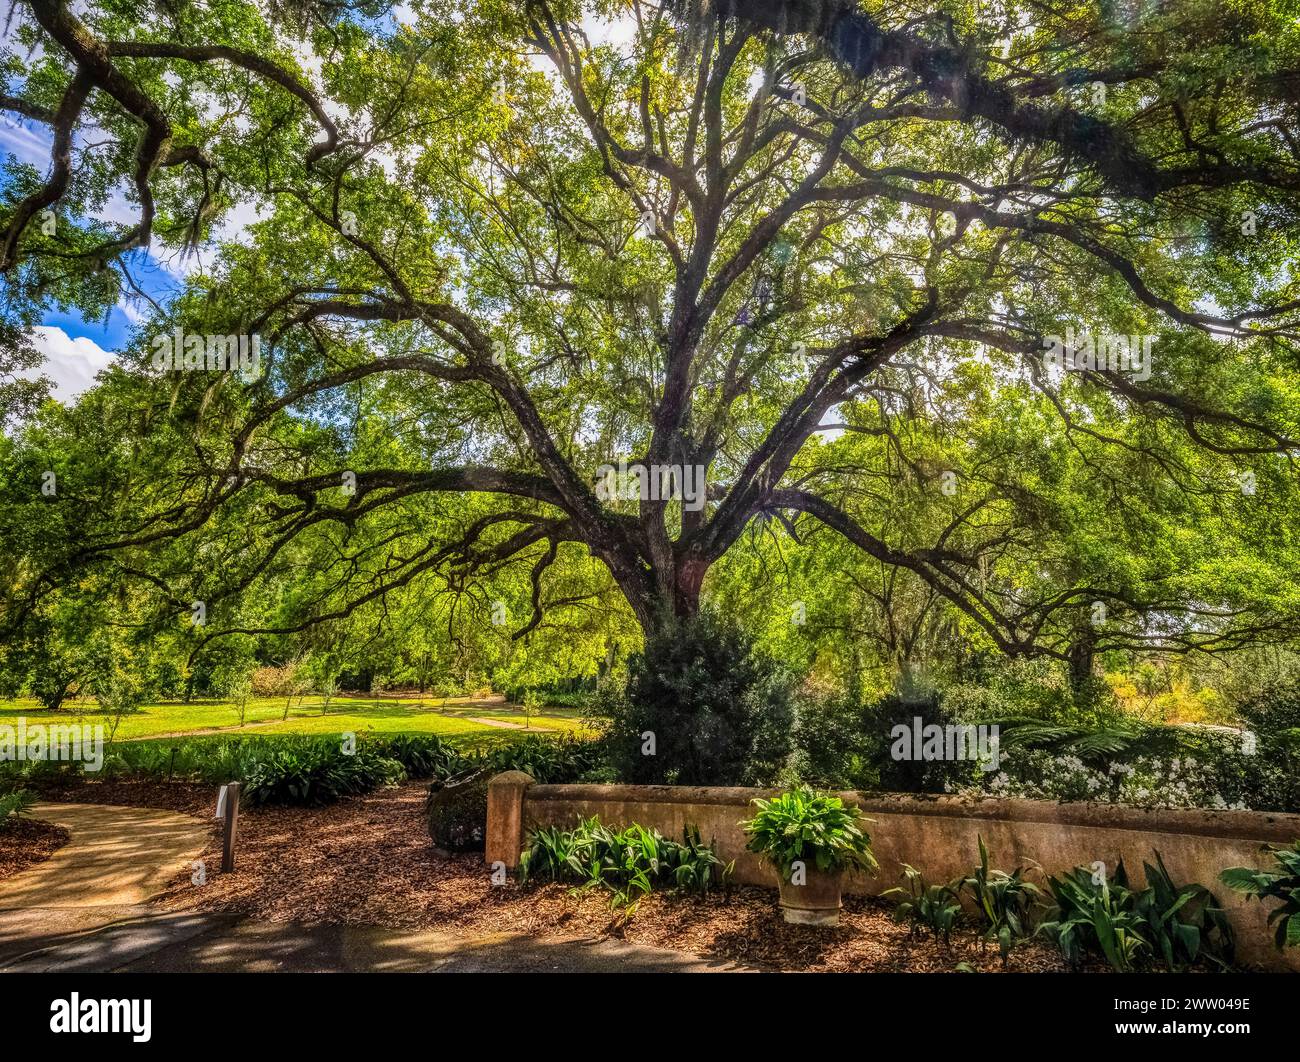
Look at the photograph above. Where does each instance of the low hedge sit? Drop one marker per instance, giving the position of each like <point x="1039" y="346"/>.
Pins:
<point x="310" y="770"/>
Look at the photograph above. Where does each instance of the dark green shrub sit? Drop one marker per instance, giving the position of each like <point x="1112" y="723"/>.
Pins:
<point x="906" y="776"/>
<point x="992" y="686"/>
<point x="717" y="711"/>
<point x="1273" y="709"/>
<point x="218" y="760"/>
<point x="312" y="773"/>
<point x="835" y="745"/>
<point x="211" y="761"/>
<point x="33" y="774"/>
<point x="551" y="760"/>
<point x="299" y="769"/>
<point x="422" y="755"/>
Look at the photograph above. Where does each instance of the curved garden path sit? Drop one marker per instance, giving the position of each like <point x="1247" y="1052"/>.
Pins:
<point x="116" y="859"/>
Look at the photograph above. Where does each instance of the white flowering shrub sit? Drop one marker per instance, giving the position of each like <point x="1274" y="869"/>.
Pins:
<point x="1208" y="770"/>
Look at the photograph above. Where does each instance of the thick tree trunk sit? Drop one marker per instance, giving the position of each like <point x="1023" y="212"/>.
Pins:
<point x="688" y="578"/>
<point x="55" y="700"/>
<point x="660" y="594"/>
<point x="1081" y="660"/>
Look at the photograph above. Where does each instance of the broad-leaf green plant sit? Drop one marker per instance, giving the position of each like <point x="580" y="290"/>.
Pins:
<point x="1184" y="923"/>
<point x="817" y="829"/>
<point x="922" y="905"/>
<point x="1282" y="885"/>
<point x="1096" y="914"/>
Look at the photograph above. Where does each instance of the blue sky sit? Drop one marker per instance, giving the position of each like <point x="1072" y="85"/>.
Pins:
<point x="111" y="337"/>
<point x="75" y="348"/>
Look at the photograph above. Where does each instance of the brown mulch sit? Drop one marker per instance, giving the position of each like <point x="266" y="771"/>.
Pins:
<point x="185" y="797"/>
<point x="369" y="861"/>
<point x="26" y="842"/>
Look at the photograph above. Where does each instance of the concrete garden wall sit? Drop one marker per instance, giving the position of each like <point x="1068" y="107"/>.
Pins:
<point x="937" y="835"/>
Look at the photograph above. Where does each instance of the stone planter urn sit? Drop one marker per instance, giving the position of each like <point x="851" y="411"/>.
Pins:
<point x="816" y="902"/>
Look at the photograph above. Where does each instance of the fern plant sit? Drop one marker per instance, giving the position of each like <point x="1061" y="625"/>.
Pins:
<point x="1090" y="743"/>
<point x="12" y="804"/>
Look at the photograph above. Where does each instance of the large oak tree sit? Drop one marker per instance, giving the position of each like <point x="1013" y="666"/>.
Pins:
<point x="511" y="243"/>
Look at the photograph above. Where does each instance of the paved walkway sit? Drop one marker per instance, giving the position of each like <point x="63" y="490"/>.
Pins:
<point x="115" y="856"/>
<point x="188" y="943"/>
<point x="115" y="860"/>
<point x="85" y="910"/>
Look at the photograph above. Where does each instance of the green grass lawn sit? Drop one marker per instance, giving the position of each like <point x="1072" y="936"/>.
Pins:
<point x="360" y="715"/>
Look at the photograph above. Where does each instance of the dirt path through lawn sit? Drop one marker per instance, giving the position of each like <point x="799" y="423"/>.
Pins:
<point x="450" y="709"/>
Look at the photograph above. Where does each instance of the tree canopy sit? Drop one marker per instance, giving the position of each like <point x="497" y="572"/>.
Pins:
<point x="822" y="252"/>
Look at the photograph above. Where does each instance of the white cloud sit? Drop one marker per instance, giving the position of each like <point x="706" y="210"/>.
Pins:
<point x="392" y="166"/>
<point x="133" y="313"/>
<point x="825" y="426"/>
<point x="118" y="209"/>
<point x="617" y="32"/>
<point x="26" y="145"/>
<point x="71" y="364"/>
<point x="312" y="64"/>
<point x="236" y="221"/>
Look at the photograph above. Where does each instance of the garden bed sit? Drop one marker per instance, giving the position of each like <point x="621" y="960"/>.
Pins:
<point x="26" y="842"/>
<point x="368" y="861"/>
